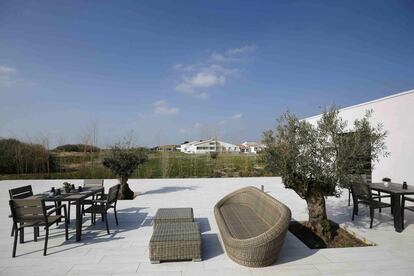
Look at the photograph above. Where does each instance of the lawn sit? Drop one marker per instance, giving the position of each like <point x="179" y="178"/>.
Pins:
<point x="75" y="165"/>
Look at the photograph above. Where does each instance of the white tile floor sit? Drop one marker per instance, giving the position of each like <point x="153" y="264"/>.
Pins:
<point x="125" y="251"/>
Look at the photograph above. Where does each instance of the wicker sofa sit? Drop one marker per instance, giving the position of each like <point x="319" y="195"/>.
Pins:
<point x="252" y="225"/>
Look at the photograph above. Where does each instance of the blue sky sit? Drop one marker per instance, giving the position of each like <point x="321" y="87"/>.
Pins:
<point x="170" y="71"/>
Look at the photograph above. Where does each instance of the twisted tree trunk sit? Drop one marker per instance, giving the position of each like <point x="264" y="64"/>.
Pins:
<point x="125" y="192"/>
<point x="318" y="220"/>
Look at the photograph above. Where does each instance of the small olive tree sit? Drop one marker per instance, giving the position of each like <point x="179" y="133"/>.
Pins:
<point x="123" y="160"/>
<point x="313" y="159"/>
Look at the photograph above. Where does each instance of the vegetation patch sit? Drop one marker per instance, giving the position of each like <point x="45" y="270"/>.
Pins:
<point x="340" y="236"/>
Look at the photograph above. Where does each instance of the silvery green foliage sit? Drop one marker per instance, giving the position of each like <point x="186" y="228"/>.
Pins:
<point x="320" y="158"/>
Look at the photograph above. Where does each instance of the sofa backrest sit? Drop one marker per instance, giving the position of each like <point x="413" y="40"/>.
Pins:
<point x="268" y="209"/>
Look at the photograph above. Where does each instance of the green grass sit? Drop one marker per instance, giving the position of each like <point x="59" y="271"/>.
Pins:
<point x="159" y="165"/>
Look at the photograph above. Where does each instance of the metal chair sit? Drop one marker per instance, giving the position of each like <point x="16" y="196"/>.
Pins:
<point x="101" y="207"/>
<point x="87" y="183"/>
<point x="361" y="193"/>
<point x="20" y="193"/>
<point x="33" y="213"/>
<point x="403" y="207"/>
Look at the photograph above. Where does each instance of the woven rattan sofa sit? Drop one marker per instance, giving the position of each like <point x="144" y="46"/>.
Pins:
<point x="252" y="225"/>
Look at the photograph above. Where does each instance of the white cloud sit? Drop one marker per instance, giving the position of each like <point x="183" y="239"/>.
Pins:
<point x="197" y="124"/>
<point x="222" y="122"/>
<point x="6" y="72"/>
<point x="197" y="78"/>
<point x="183" y="130"/>
<point x="162" y="107"/>
<point x="241" y="51"/>
<point x="237" y="116"/>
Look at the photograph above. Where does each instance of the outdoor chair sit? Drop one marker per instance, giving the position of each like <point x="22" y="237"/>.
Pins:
<point x="20" y="193"/>
<point x="100" y="206"/>
<point x="403" y="207"/>
<point x="86" y="184"/>
<point x="33" y="213"/>
<point x="361" y="193"/>
<point x="367" y="178"/>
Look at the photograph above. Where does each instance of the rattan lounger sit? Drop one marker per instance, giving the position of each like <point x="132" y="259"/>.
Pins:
<point x="252" y="225"/>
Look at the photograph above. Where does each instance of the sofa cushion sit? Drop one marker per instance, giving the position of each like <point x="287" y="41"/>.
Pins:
<point x="242" y="221"/>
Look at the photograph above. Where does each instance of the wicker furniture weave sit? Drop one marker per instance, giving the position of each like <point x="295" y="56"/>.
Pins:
<point x="175" y="241"/>
<point x="173" y="215"/>
<point x="252" y="225"/>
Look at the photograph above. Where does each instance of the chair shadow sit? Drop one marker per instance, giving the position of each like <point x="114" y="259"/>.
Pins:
<point x="129" y="219"/>
<point x="211" y="246"/>
<point x="169" y="189"/>
<point x="204" y="224"/>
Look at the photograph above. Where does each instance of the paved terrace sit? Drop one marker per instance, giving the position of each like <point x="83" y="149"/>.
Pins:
<point x="125" y="251"/>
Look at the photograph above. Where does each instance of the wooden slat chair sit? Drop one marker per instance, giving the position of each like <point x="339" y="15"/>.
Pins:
<point x="403" y="207"/>
<point x="33" y="213"/>
<point x="20" y="193"/>
<point x="102" y="206"/>
<point x="87" y="183"/>
<point x="361" y="193"/>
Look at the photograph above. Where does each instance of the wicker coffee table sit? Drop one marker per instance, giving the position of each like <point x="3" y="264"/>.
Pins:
<point x="173" y="215"/>
<point x="175" y="241"/>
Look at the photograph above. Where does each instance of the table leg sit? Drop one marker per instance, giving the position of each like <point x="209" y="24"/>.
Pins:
<point x="78" y="221"/>
<point x="58" y="211"/>
<point x="396" y="205"/>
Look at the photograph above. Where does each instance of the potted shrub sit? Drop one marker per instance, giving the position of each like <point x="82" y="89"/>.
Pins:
<point x="67" y="186"/>
<point x="386" y="181"/>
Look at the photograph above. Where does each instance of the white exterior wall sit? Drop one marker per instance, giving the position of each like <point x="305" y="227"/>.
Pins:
<point x="396" y="113"/>
<point x="194" y="147"/>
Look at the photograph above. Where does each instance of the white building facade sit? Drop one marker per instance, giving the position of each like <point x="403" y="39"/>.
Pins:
<point x="207" y="146"/>
<point x="251" y="147"/>
<point x="396" y="114"/>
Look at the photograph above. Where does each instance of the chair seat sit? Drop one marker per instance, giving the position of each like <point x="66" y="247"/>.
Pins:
<point x="242" y="221"/>
<point x="39" y="221"/>
<point x="375" y="203"/>
<point x="96" y="208"/>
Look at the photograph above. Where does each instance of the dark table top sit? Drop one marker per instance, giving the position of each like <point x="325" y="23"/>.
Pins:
<point x="393" y="188"/>
<point x="72" y="196"/>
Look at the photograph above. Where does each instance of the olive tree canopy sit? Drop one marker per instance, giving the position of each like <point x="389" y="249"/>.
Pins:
<point x="123" y="160"/>
<point x="314" y="160"/>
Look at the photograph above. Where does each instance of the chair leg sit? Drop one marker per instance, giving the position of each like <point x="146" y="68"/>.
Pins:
<point x="116" y="217"/>
<point x="12" y="231"/>
<point x="106" y="222"/>
<point x="379" y="199"/>
<point x="16" y="234"/>
<point x="353" y="212"/>
<point x="371" y="214"/>
<point x="46" y="238"/>
<point x="66" y="229"/>
<point x="35" y="235"/>
<point x="402" y="211"/>
<point x="349" y="197"/>
<point x="69" y="212"/>
<point x="22" y="235"/>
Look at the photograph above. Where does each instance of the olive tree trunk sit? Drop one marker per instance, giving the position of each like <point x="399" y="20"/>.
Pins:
<point x="125" y="192"/>
<point x="318" y="220"/>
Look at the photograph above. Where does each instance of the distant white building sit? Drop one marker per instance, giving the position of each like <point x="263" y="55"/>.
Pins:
<point x="251" y="147"/>
<point x="207" y="146"/>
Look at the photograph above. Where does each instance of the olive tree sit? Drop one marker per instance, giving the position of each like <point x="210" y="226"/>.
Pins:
<point x="313" y="159"/>
<point x="123" y="160"/>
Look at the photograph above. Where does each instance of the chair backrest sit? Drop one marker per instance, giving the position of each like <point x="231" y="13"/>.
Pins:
<point x="21" y="192"/>
<point x="360" y="188"/>
<point x="113" y="194"/>
<point x="93" y="182"/>
<point x="28" y="210"/>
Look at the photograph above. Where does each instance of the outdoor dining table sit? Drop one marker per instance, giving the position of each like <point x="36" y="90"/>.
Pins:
<point x="396" y="191"/>
<point x="75" y="196"/>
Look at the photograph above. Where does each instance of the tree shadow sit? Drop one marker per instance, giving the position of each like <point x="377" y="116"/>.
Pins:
<point x="169" y="189"/>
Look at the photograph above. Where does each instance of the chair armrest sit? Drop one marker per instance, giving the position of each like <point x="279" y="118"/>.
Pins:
<point x="98" y="201"/>
<point x="53" y="210"/>
<point x="381" y="196"/>
<point x="408" y="199"/>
